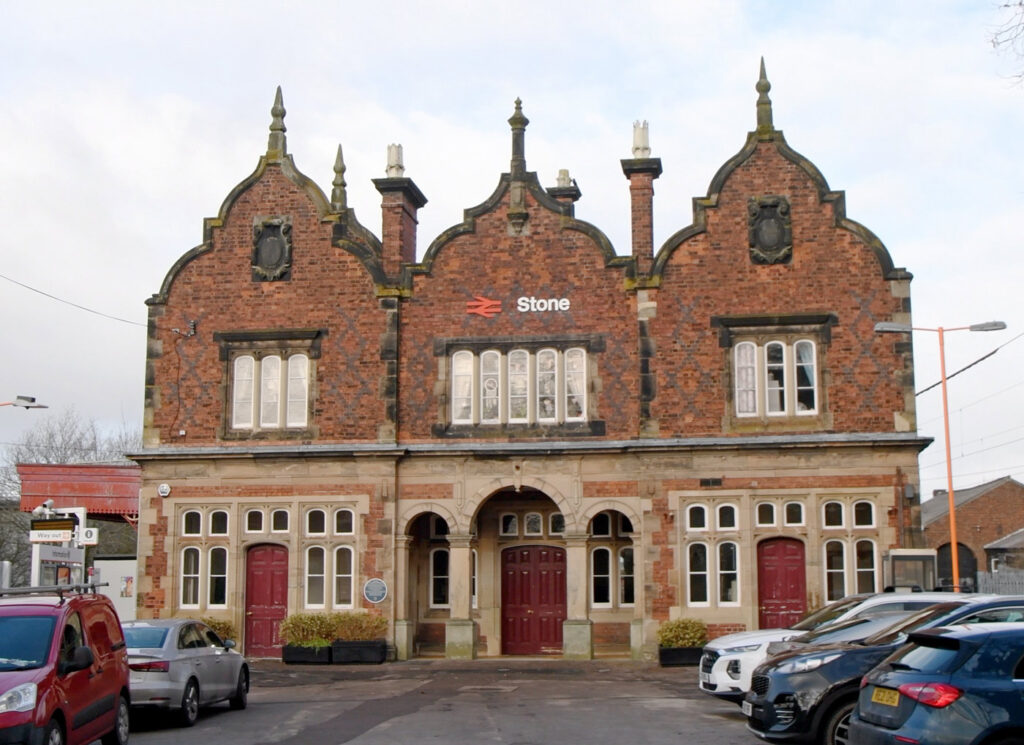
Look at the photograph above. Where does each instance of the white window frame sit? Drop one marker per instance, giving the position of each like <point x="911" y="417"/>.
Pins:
<point x="211" y="577"/>
<point x="721" y="574"/>
<point x="446" y="578"/>
<point x="351" y="518"/>
<point x="536" y="518"/>
<point x="462" y="387"/>
<point x="785" y="514"/>
<point x="765" y="523"/>
<point x="839" y="571"/>
<point x="735" y="517"/>
<point x="518" y="379"/>
<point x="623" y="575"/>
<point x="871" y="508"/>
<point x="473" y="581"/>
<point x="689" y="518"/>
<point x="184" y="523"/>
<point x="745" y="378"/>
<point x="858" y="570"/>
<point x="705" y="573"/>
<point x="594" y="577"/>
<point x="287" y="520"/>
<point x="547" y="385"/>
<point x="262" y="526"/>
<point x="754" y="378"/>
<point x="491" y="388"/>
<point x="270" y="392"/>
<point x="309" y="577"/>
<point x="191" y="580"/>
<point x="309" y="518"/>
<point x="340" y="576"/>
<point x="824" y="515"/>
<point x="227" y="522"/>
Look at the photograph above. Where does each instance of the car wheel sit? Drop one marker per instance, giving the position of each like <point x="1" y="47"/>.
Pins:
<point x="837" y="730"/>
<point x="53" y="734"/>
<point x="241" y="698"/>
<point x="189" y="705"/>
<point x="119" y="735"/>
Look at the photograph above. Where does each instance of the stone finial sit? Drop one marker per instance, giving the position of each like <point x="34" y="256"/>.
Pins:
<point x="641" y="140"/>
<point x="338" y="198"/>
<point x="563" y="179"/>
<point x="764" y="104"/>
<point x="276" y="143"/>
<point x="396" y="168"/>
<point x="518" y="123"/>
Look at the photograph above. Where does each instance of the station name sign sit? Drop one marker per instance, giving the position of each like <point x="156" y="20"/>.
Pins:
<point x="488" y="308"/>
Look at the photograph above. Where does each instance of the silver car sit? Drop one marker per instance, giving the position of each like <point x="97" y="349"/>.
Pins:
<point x="180" y="664"/>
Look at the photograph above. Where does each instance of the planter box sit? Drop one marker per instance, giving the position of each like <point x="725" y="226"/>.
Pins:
<point x="292" y="654"/>
<point x="677" y="656"/>
<point x="346" y="652"/>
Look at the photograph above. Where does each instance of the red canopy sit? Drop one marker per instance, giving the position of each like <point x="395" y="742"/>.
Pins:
<point x="100" y="489"/>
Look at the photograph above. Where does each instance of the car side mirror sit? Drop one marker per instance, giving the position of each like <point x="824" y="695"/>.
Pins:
<point x="81" y="659"/>
<point x="229" y="644"/>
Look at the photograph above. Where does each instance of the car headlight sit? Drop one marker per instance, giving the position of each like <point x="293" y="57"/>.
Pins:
<point x="741" y="650"/>
<point x="806" y="664"/>
<point x="22" y="698"/>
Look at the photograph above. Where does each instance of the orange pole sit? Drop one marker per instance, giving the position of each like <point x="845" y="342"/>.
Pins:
<point x="953" y="550"/>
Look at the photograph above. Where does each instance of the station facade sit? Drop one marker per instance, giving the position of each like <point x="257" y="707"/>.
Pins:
<point x="539" y="444"/>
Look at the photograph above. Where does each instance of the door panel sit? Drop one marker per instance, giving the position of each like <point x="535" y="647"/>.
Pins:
<point x="533" y="600"/>
<point x="781" y="583"/>
<point x="266" y="599"/>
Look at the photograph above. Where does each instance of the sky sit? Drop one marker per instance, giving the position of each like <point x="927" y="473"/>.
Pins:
<point x="126" y="123"/>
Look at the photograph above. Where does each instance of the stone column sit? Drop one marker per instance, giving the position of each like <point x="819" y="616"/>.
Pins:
<point x="577" y="630"/>
<point x="405" y="627"/>
<point x="460" y="629"/>
<point x="636" y="625"/>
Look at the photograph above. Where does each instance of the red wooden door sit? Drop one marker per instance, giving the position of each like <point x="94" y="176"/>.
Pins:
<point x="266" y="599"/>
<point x="532" y="599"/>
<point x="781" y="582"/>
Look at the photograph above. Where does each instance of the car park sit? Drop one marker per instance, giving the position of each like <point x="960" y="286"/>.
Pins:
<point x="963" y="684"/>
<point x="727" y="662"/>
<point x="809" y="695"/>
<point x="63" y="667"/>
<point x="181" y="664"/>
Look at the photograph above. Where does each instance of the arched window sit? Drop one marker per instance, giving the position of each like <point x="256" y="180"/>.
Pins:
<point x="726" y="517"/>
<point x="218" y="580"/>
<point x="439" y="578"/>
<point x="509" y="524"/>
<point x="775" y="377"/>
<point x="316" y="522"/>
<point x="746" y="378"/>
<point x="270" y="392"/>
<point x="218" y="522"/>
<point x="192" y="523"/>
<point x="794" y="513"/>
<point x="835" y="570"/>
<point x="806" y="378"/>
<point x="490" y="387"/>
<point x="728" y="574"/>
<point x="556" y="523"/>
<point x="696" y="517"/>
<point x="279" y="521"/>
<point x="254" y="521"/>
<point x="697" y="569"/>
<point x="547" y="385"/>
<point x="601" y="525"/>
<point x="833" y="512"/>
<point x="462" y="388"/>
<point x="575" y="385"/>
<point x="344" y="524"/>
<point x="297" y="411"/>
<point x="243" y="398"/>
<point x="863" y="514"/>
<point x="276" y="387"/>
<point x="315" y="576"/>
<point x="867" y="579"/>
<point x="626" y="591"/>
<point x="343" y="575"/>
<point x="600" y="578"/>
<point x="765" y="514"/>
<point x="190" y="577"/>
<point x="533" y="524"/>
<point x="518" y="386"/>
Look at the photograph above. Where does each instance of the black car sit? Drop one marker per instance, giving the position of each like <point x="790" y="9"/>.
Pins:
<point x="948" y="686"/>
<point x="808" y="695"/>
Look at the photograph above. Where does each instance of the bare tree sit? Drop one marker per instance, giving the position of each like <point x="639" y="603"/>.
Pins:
<point x="62" y="437"/>
<point x="1009" y="35"/>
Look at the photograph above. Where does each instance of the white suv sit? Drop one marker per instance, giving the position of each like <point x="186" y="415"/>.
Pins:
<point x="728" y="661"/>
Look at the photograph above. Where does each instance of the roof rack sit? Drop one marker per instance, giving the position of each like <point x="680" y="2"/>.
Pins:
<point x="59" y="590"/>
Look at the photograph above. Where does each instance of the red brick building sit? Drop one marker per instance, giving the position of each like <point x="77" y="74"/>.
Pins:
<point x="539" y="444"/>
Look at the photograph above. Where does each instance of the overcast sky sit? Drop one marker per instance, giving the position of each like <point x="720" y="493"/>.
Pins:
<point x="126" y="123"/>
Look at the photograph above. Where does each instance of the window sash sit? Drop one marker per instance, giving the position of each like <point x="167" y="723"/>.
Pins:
<point x="626" y="575"/>
<point x="746" y="379"/>
<point x="728" y="574"/>
<point x="835" y="570"/>
<point x="190" y="578"/>
<point x="279" y="391"/>
<point x="343" y="577"/>
<point x="315" y="577"/>
<point x="867" y="577"/>
<point x="697" y="574"/>
<point x="439" y="578"/>
<point x="776" y="379"/>
<point x="218" y="578"/>
<point x="600" y="578"/>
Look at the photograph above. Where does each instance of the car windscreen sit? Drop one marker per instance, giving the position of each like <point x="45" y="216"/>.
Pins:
<point x="827" y="614"/>
<point x="895" y="633"/>
<point x="148" y="637"/>
<point x="25" y="641"/>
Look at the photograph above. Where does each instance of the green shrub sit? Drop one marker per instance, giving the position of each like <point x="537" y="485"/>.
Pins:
<point x="320" y="629"/>
<point x="683" y="632"/>
<point x="223" y="629"/>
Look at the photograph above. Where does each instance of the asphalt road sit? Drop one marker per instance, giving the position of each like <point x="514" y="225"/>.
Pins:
<point x="521" y="702"/>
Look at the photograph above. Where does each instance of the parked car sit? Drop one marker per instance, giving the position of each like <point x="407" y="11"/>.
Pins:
<point x="808" y="695"/>
<point x="728" y="661"/>
<point x="63" y="667"/>
<point x="959" y="685"/>
<point x="180" y="665"/>
<point x="851" y="630"/>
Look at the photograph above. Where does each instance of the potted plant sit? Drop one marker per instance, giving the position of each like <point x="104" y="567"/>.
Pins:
<point x="680" y="641"/>
<point x="306" y="638"/>
<point x="358" y="637"/>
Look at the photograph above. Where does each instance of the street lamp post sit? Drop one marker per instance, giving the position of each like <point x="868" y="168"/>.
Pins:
<point x="25" y="402"/>
<point x="886" y="327"/>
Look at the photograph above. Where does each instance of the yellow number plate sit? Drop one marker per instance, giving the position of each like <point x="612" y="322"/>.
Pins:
<point x="885" y="696"/>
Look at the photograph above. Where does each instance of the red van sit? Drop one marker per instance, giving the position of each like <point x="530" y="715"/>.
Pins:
<point x="63" y="667"/>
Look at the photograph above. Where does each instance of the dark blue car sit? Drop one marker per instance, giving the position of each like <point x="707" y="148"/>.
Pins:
<point x="962" y="685"/>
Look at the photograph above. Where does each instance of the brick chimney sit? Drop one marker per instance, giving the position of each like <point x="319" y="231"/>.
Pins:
<point x="641" y="170"/>
<point x="401" y="199"/>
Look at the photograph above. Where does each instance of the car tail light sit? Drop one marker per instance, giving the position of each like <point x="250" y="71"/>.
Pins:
<point x="936" y="695"/>
<point x="157" y="666"/>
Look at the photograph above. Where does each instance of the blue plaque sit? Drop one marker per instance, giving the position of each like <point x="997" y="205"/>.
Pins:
<point x="375" y="590"/>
